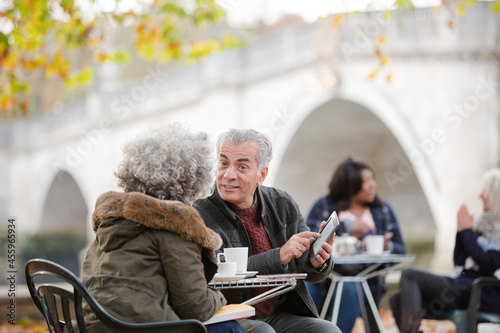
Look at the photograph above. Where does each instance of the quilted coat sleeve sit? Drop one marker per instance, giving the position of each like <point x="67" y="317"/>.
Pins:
<point x="188" y="292"/>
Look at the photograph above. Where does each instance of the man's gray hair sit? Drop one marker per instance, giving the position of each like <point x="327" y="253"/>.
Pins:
<point x="239" y="136"/>
<point x="169" y="163"/>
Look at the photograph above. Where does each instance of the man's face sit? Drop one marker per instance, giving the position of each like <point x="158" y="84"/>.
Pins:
<point x="237" y="173"/>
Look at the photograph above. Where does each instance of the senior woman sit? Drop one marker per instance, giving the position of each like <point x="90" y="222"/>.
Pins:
<point x="476" y="254"/>
<point x="153" y="255"/>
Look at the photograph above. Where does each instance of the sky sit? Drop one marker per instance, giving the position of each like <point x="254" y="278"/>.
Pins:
<point x="269" y="11"/>
<point x="247" y="12"/>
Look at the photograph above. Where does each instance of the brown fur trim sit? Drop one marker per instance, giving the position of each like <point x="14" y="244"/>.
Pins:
<point x="153" y="213"/>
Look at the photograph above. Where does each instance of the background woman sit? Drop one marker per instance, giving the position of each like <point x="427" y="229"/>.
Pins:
<point x="352" y="193"/>
<point x="153" y="256"/>
<point x="477" y="253"/>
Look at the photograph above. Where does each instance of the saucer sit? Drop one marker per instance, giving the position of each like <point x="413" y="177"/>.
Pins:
<point x="248" y="274"/>
<point x="383" y="254"/>
<point x="218" y="278"/>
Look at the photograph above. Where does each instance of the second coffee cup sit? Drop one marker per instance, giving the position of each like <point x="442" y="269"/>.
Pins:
<point x="374" y="244"/>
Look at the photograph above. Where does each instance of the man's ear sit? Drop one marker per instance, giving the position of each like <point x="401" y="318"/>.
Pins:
<point x="262" y="176"/>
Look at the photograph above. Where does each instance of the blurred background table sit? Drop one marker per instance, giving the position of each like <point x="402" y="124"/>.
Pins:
<point x="375" y="266"/>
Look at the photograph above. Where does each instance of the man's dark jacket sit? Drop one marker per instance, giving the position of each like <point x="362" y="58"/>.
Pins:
<point x="282" y="219"/>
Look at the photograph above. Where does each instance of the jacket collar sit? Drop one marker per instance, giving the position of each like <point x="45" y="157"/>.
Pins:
<point x="173" y="216"/>
<point x="223" y="207"/>
<point x="219" y="202"/>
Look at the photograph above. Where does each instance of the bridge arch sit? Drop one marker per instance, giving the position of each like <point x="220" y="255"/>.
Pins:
<point x="332" y="124"/>
<point x="64" y="206"/>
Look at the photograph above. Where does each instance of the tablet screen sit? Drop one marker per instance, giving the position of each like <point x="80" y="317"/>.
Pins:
<point x="331" y="225"/>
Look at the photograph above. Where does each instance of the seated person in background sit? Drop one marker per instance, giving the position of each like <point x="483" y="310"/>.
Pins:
<point x="153" y="255"/>
<point x="477" y="253"/>
<point x="269" y="223"/>
<point x="352" y="193"/>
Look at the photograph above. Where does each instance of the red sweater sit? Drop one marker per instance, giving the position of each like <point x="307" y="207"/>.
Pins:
<point x="260" y="243"/>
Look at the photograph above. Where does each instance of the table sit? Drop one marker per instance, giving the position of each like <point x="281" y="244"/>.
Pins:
<point x="390" y="262"/>
<point x="281" y="286"/>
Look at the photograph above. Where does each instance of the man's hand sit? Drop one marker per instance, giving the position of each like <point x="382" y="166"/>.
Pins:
<point x="296" y="246"/>
<point x="464" y="219"/>
<point x="325" y="251"/>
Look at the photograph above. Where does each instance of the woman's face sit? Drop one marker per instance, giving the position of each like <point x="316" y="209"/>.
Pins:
<point x="368" y="188"/>
<point x="485" y="196"/>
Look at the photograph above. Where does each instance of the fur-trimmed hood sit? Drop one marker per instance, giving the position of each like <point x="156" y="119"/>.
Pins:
<point x="120" y="217"/>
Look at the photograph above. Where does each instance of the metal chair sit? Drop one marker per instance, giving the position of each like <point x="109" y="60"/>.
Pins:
<point x="55" y="303"/>
<point x="467" y="320"/>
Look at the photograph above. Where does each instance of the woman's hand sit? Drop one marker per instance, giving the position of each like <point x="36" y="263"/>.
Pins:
<point x="387" y="238"/>
<point x="464" y="219"/>
<point x="360" y="228"/>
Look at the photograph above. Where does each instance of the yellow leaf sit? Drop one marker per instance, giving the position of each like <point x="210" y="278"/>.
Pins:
<point x="166" y="56"/>
<point x="87" y="76"/>
<point x="461" y="10"/>
<point x="100" y="57"/>
<point x="372" y="75"/>
<point x="337" y="20"/>
<point x="384" y="59"/>
<point x="6" y="102"/>
<point x="381" y="40"/>
<point x="388" y="78"/>
<point x="93" y="42"/>
<point x="129" y="14"/>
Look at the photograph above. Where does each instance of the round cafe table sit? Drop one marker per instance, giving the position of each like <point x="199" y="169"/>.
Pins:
<point x="376" y="265"/>
<point x="279" y="282"/>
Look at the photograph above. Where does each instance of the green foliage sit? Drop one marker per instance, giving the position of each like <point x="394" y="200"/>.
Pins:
<point x="83" y="78"/>
<point x="423" y="249"/>
<point x="404" y="4"/>
<point x="495" y="7"/>
<point x="43" y="245"/>
<point x="47" y="36"/>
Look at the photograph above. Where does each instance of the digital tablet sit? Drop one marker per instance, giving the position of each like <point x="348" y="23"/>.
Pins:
<point x="331" y="226"/>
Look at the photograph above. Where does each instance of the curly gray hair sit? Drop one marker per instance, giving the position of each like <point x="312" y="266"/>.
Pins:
<point x="169" y="163"/>
<point x="492" y="187"/>
<point x="239" y="136"/>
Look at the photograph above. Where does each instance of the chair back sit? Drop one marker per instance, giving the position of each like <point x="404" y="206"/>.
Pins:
<point x="55" y="300"/>
<point x="62" y="308"/>
<point x="466" y="320"/>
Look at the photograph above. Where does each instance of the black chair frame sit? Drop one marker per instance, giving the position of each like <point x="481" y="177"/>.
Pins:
<point x="467" y="320"/>
<point x="48" y="296"/>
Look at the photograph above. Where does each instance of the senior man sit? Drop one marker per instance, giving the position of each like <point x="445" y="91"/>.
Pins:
<point x="267" y="221"/>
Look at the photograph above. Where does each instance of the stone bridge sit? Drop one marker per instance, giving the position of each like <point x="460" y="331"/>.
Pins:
<point x="428" y="121"/>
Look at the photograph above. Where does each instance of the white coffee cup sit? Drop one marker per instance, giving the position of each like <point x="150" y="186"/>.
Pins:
<point x="374" y="244"/>
<point x="239" y="255"/>
<point x="226" y="269"/>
